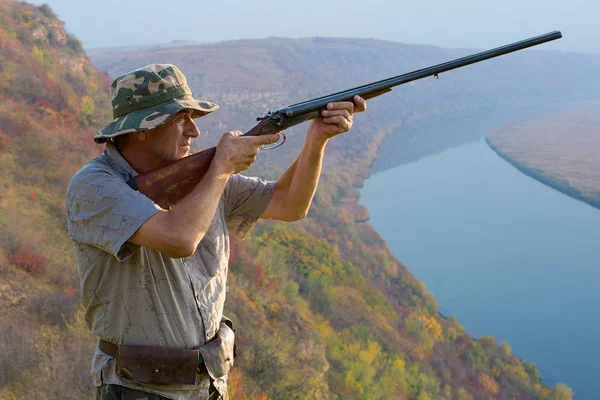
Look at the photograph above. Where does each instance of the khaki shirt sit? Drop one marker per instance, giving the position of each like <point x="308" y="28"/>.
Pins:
<point x="138" y="296"/>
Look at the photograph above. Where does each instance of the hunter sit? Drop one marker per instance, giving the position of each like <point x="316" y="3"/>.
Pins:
<point x="153" y="279"/>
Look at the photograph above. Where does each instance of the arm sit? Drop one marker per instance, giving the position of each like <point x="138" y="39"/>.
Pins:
<point x="178" y="231"/>
<point x="296" y="188"/>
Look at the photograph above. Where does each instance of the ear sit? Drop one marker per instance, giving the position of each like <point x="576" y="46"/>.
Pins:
<point x="141" y="136"/>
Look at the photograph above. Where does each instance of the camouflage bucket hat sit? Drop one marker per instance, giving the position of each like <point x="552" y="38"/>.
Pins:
<point x="145" y="99"/>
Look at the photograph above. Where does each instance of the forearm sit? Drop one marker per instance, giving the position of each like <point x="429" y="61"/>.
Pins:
<point x="178" y="231"/>
<point x="192" y="216"/>
<point x="298" y="184"/>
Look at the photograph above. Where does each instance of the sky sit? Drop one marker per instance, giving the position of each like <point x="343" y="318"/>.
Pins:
<point x="477" y="24"/>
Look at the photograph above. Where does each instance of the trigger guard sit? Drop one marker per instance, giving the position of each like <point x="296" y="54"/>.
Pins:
<point x="274" y="145"/>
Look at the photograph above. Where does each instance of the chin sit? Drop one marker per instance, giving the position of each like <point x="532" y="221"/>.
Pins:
<point x="184" y="152"/>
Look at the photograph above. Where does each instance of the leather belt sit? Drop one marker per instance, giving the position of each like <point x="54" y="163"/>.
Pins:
<point x="111" y="349"/>
<point x="108" y="348"/>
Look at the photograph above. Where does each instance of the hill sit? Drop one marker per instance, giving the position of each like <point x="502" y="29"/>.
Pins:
<point x="560" y="150"/>
<point x="323" y="309"/>
<point x="249" y="77"/>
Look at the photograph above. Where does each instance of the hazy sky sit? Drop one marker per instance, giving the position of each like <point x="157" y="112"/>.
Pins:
<point x="450" y="23"/>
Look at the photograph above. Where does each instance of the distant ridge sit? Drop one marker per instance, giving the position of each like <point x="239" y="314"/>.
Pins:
<point x="263" y="74"/>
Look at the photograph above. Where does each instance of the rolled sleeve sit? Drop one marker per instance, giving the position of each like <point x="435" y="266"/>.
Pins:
<point x="104" y="212"/>
<point x="246" y="198"/>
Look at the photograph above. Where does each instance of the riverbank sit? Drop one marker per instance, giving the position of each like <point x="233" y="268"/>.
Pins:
<point x="559" y="151"/>
<point x="549" y="180"/>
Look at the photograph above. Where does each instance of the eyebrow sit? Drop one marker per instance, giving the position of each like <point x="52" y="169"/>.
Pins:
<point x="181" y="114"/>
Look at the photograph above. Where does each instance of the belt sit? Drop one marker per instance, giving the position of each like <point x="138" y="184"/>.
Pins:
<point x="108" y="348"/>
<point x="112" y="349"/>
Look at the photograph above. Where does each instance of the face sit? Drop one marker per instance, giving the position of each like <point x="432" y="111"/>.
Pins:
<point x="172" y="140"/>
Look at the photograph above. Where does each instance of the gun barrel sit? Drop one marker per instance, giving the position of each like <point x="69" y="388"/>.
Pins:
<point x="321" y="102"/>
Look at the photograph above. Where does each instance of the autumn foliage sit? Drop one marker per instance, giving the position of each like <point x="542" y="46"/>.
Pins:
<point x="28" y="260"/>
<point x="45" y="347"/>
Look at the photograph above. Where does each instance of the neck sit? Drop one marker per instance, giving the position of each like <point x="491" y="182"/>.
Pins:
<point x="139" y="159"/>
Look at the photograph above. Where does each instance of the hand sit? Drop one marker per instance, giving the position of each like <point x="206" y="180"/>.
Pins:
<point x="235" y="153"/>
<point x="337" y="118"/>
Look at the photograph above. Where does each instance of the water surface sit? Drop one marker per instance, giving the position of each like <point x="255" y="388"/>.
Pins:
<point x="507" y="255"/>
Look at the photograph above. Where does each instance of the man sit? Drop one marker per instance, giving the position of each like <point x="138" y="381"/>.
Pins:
<point x="153" y="280"/>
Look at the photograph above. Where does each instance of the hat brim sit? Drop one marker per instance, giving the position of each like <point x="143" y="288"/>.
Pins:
<point x="153" y="117"/>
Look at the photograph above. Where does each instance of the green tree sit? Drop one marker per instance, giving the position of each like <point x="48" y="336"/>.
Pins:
<point x="47" y="11"/>
<point x="532" y="371"/>
<point x="560" y="391"/>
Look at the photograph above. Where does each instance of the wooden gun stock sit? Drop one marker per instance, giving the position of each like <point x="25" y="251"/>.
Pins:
<point x="168" y="184"/>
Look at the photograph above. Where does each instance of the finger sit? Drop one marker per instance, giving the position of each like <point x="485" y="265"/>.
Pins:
<point x="340" y="121"/>
<point x="340" y="105"/>
<point x="235" y="133"/>
<point x="335" y="120"/>
<point x="361" y="104"/>
<point x="332" y="113"/>
<point x="265" y="139"/>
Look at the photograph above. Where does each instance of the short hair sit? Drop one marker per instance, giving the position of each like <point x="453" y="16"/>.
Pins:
<point x="121" y="140"/>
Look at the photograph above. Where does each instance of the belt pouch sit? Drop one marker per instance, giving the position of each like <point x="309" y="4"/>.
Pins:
<point x="218" y="353"/>
<point x="157" y="365"/>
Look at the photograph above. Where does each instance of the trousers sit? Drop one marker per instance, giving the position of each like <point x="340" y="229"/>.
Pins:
<point x="116" y="392"/>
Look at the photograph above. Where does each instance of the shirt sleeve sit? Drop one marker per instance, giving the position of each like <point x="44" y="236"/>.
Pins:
<point x="104" y="212"/>
<point x="245" y="200"/>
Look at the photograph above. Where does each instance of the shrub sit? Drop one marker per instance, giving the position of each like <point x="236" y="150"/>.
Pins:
<point x="47" y="11"/>
<point x="74" y="43"/>
<point x="56" y="308"/>
<point x="17" y="346"/>
<point x="28" y="260"/>
<point x="5" y="141"/>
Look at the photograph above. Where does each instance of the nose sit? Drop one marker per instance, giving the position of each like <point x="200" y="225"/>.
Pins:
<point x="191" y="129"/>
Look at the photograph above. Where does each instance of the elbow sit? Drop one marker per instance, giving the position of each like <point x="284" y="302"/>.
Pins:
<point x="178" y="252"/>
<point x="182" y="248"/>
<point x="296" y="216"/>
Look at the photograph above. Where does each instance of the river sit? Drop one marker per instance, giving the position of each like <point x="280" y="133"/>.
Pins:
<point x="505" y="254"/>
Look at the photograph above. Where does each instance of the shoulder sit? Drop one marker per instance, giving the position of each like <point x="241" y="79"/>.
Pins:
<point x="95" y="169"/>
<point x="94" y="177"/>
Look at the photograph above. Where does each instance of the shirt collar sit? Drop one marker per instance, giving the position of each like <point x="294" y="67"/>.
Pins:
<point x="117" y="160"/>
<point x="120" y="165"/>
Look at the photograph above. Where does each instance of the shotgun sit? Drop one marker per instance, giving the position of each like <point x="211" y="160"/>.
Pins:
<point x="168" y="184"/>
